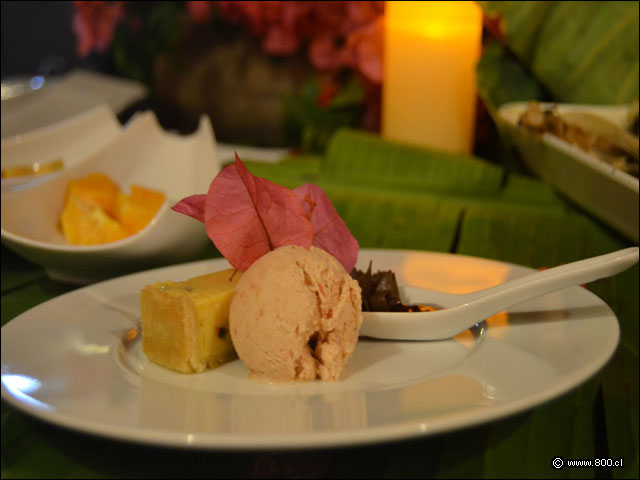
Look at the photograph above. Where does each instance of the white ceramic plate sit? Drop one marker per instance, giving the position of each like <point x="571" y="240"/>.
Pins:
<point x="76" y="361"/>
<point x="143" y="154"/>
<point x="608" y="193"/>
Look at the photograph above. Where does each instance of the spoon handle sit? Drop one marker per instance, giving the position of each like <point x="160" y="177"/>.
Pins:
<point x="508" y="294"/>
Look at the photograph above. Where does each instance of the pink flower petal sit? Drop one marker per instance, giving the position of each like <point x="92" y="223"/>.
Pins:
<point x="200" y="11"/>
<point x="192" y="206"/>
<point x="324" y="54"/>
<point x="247" y="216"/>
<point x="280" y="41"/>
<point x="329" y="230"/>
<point x="94" y="24"/>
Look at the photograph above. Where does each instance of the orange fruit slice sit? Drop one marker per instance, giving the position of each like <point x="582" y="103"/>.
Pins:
<point x="137" y="210"/>
<point x="85" y="223"/>
<point x="95" y="188"/>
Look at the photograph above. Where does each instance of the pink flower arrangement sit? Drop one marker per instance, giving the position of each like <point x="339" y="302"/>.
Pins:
<point x="336" y="36"/>
<point x="339" y="34"/>
<point x="94" y="24"/>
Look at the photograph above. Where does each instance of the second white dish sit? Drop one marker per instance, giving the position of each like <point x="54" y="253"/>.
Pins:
<point x="69" y="142"/>
<point x="143" y="154"/>
<point x="608" y="193"/>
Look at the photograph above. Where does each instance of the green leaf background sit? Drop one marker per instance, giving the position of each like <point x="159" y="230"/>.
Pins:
<point x="576" y="52"/>
<point x="398" y="196"/>
<point x="580" y="52"/>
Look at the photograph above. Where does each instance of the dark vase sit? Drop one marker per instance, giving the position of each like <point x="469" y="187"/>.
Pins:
<point x="236" y="84"/>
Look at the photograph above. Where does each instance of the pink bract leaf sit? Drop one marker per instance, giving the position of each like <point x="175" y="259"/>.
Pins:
<point x="329" y="230"/>
<point x="247" y="216"/>
<point x="192" y="206"/>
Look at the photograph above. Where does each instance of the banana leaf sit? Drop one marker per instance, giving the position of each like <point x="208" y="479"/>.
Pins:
<point x="17" y="272"/>
<point x="364" y="159"/>
<point x="581" y="52"/>
<point x="501" y="78"/>
<point x="620" y="396"/>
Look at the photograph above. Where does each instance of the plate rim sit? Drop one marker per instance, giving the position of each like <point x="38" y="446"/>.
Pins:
<point x="405" y="430"/>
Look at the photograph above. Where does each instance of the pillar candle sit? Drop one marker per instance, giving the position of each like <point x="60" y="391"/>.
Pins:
<point x="429" y="90"/>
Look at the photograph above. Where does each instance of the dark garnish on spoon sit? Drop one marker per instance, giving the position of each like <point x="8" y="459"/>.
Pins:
<point x="380" y="293"/>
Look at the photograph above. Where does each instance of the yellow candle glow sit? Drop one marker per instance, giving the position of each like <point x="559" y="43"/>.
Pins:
<point x="429" y="91"/>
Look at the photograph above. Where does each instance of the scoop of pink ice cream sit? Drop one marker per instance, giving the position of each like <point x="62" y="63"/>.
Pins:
<point x="295" y="315"/>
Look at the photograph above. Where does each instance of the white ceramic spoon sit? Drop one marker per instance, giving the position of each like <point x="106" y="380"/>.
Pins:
<point x="462" y="311"/>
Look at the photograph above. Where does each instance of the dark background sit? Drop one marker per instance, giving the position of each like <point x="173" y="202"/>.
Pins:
<point x="38" y="38"/>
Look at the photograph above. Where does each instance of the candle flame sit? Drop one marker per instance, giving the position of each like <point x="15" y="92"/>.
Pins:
<point x="435" y="19"/>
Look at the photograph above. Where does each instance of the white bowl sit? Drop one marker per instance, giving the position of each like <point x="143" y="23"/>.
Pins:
<point x="143" y="154"/>
<point x="603" y="190"/>
<point x="65" y="96"/>
<point x="71" y="140"/>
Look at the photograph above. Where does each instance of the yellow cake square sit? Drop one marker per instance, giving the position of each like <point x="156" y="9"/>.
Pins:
<point x="185" y="325"/>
